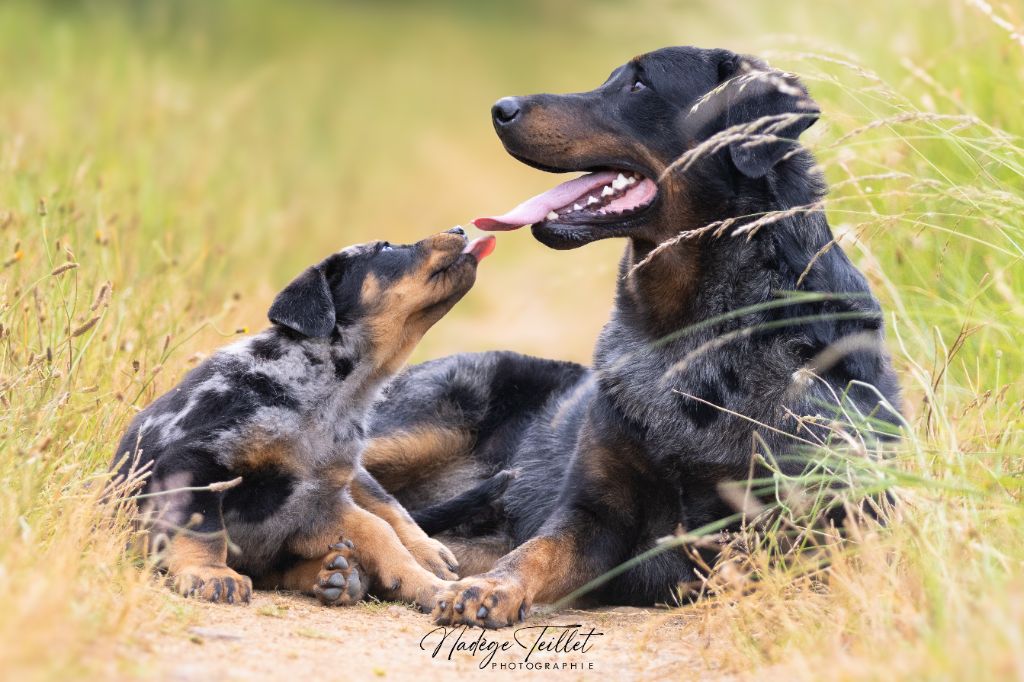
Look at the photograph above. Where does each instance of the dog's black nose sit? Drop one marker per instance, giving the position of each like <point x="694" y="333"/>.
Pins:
<point x="457" y="230"/>
<point x="505" y="110"/>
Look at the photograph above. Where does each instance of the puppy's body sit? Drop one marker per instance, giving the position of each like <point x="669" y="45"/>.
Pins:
<point x="285" y="410"/>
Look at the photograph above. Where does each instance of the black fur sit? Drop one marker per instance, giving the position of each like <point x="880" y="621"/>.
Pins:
<point x="285" y="409"/>
<point x="702" y="352"/>
<point x="452" y="512"/>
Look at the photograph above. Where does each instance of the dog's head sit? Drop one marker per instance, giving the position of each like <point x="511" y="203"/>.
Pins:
<point x="722" y="109"/>
<point x="387" y="294"/>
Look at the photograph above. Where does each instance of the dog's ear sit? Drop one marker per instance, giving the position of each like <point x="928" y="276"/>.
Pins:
<point x="770" y="109"/>
<point x="306" y="305"/>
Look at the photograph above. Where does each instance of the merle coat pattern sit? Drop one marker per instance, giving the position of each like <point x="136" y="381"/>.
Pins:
<point x="285" y="411"/>
<point x="703" y="362"/>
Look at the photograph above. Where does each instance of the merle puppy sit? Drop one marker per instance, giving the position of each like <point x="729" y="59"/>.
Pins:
<point x="738" y="326"/>
<point x="284" y="410"/>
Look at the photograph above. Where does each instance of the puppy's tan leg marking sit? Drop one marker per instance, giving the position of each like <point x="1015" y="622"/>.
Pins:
<point x="393" y="568"/>
<point x="429" y="553"/>
<point x="197" y="565"/>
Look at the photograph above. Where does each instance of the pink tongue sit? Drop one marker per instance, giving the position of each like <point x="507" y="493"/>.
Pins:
<point x="536" y="209"/>
<point x="481" y="247"/>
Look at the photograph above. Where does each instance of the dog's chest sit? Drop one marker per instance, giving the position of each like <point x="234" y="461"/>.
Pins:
<point x="318" y="435"/>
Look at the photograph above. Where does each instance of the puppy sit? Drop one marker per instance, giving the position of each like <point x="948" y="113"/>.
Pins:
<point x="284" y="411"/>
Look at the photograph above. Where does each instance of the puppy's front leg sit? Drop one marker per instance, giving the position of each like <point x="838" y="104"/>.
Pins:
<point x="196" y="556"/>
<point x="395" y="572"/>
<point x="429" y="553"/>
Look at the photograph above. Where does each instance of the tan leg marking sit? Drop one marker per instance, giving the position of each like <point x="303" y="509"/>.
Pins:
<point x="393" y="569"/>
<point x="197" y="566"/>
<point x="429" y="553"/>
<point x="542" y="569"/>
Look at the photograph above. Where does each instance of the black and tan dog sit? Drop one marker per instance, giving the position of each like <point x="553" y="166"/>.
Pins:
<point x="285" y="411"/>
<point x="738" y="325"/>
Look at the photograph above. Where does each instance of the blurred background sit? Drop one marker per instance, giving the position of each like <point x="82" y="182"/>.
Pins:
<point x="167" y="166"/>
<point x="210" y="150"/>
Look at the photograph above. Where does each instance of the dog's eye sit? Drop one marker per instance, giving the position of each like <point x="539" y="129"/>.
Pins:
<point x="385" y="246"/>
<point x="637" y="86"/>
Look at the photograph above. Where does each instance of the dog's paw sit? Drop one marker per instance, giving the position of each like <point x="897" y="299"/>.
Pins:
<point x="435" y="557"/>
<point x="485" y="601"/>
<point x="215" y="584"/>
<point x="339" y="582"/>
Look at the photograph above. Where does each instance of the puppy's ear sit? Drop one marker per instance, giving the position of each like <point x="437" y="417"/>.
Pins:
<point x="306" y="305"/>
<point x="770" y="109"/>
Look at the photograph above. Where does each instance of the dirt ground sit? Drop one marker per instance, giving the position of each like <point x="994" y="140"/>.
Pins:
<point x="286" y="636"/>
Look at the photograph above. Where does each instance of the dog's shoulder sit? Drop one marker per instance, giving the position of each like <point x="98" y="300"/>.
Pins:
<point x="264" y="382"/>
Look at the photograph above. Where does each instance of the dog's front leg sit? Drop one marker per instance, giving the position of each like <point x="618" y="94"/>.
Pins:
<point x="429" y="553"/>
<point x="588" y="534"/>
<point x="393" y="570"/>
<point x="197" y="553"/>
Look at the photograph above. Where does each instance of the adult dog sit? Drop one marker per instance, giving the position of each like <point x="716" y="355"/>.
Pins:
<point x="738" y="326"/>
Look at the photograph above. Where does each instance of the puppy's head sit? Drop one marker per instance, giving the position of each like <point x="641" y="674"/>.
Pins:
<point x="388" y="295"/>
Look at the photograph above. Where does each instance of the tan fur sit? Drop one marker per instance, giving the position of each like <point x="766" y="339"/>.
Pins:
<point x="397" y="574"/>
<point x="403" y="311"/>
<point x="197" y="566"/>
<point x="545" y="565"/>
<point x="190" y="550"/>
<point x="301" y="576"/>
<point x="273" y="455"/>
<point x="429" y="553"/>
<point x="396" y="458"/>
<point x="542" y="569"/>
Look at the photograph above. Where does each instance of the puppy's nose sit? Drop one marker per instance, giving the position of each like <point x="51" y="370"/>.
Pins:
<point x="457" y="230"/>
<point x="505" y="110"/>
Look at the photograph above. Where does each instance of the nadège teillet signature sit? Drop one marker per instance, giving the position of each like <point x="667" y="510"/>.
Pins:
<point x="532" y="639"/>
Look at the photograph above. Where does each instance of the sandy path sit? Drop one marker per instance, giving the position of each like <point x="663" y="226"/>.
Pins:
<point x="285" y="636"/>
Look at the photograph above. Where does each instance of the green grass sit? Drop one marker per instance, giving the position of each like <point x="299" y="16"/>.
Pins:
<point x="189" y="157"/>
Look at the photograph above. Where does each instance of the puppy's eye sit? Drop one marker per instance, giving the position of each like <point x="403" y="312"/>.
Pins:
<point x="637" y="86"/>
<point x="386" y="246"/>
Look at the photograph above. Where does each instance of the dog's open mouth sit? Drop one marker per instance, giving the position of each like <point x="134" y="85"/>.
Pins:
<point x="602" y="196"/>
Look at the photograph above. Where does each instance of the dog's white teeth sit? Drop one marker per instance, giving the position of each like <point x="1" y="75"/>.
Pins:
<point x="591" y="201"/>
<point x="607" y="191"/>
<point x="577" y="207"/>
<point x="619" y="182"/>
<point x="631" y="180"/>
<point x="551" y="215"/>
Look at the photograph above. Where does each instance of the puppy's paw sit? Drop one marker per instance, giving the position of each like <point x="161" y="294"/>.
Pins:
<point x="435" y="557"/>
<point x="214" y="583"/>
<point x="339" y="582"/>
<point x="485" y="601"/>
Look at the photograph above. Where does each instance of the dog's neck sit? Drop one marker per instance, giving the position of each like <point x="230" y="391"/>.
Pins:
<point x="338" y="372"/>
<point x="687" y="275"/>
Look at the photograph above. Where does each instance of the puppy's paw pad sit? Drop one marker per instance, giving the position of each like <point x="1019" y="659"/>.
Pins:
<point x="339" y="582"/>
